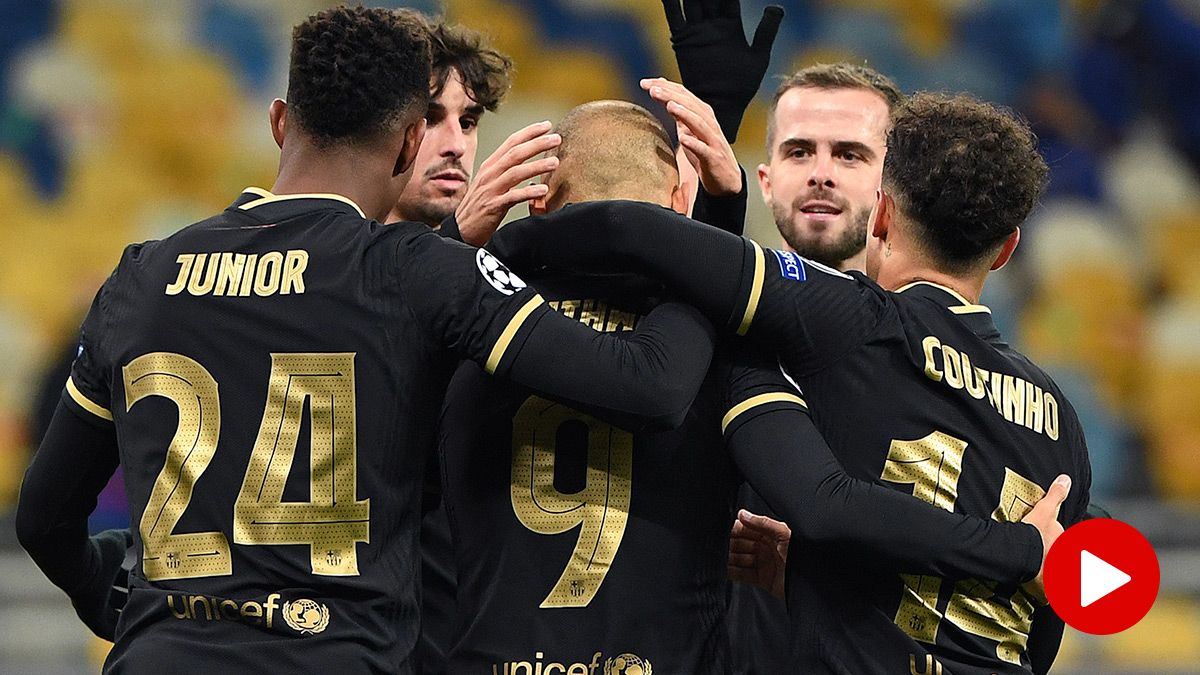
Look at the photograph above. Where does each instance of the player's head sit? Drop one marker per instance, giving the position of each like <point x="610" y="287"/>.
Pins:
<point x="469" y="77"/>
<point x="358" y="85"/>
<point x="612" y="150"/>
<point x="960" y="177"/>
<point x="825" y="146"/>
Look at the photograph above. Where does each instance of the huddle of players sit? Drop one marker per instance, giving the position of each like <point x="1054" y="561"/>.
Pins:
<point x="581" y="546"/>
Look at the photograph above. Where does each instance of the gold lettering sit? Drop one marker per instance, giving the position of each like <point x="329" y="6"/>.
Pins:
<point x="522" y="664"/>
<point x="551" y="666"/>
<point x="578" y="669"/>
<point x="293" y="272"/>
<point x="570" y="308"/>
<point x="185" y="261"/>
<point x="266" y="279"/>
<point x="248" y="275"/>
<point x="195" y="285"/>
<point x="231" y="605"/>
<point x="1033" y="407"/>
<point x="207" y="607"/>
<point x="592" y="314"/>
<point x="975" y="383"/>
<point x="953" y="367"/>
<point x="620" y="320"/>
<point x="1051" y="416"/>
<point x="269" y="607"/>
<point x="174" y="612"/>
<point x="1014" y="399"/>
<point x="230" y="276"/>
<point x="252" y="610"/>
<point x="931" y="343"/>
<point x="995" y="388"/>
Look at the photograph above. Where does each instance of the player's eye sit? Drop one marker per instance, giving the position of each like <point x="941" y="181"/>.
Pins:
<point x="851" y="156"/>
<point x="798" y="153"/>
<point x="469" y="123"/>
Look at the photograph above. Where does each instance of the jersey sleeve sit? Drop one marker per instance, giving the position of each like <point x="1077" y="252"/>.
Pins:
<point x="777" y="448"/>
<point x="472" y="304"/>
<point x="810" y="314"/>
<point x="724" y="212"/>
<point x="88" y="390"/>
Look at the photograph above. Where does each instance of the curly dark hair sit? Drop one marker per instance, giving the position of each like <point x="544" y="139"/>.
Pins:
<point x="966" y="172"/>
<point x="485" y="72"/>
<point x="357" y="72"/>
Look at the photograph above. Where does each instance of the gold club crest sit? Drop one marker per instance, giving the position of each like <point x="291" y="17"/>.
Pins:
<point x="306" y="616"/>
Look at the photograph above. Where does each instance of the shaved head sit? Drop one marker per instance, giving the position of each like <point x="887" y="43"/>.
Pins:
<point x="612" y="150"/>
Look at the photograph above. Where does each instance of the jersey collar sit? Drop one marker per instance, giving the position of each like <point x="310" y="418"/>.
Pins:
<point x="263" y="202"/>
<point x="977" y="317"/>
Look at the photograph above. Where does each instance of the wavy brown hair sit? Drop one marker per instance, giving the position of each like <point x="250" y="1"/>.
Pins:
<point x="966" y="172"/>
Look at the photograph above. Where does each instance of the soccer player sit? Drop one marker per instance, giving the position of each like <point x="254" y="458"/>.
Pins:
<point x="579" y="544"/>
<point x="469" y="79"/>
<point x="270" y="378"/>
<point x="826" y="140"/>
<point x="906" y="375"/>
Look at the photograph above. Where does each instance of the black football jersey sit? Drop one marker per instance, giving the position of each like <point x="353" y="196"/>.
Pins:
<point x="581" y="547"/>
<point x="274" y="374"/>
<point x="916" y="388"/>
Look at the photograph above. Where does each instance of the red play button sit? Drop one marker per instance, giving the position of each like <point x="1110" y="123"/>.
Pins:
<point x="1101" y="576"/>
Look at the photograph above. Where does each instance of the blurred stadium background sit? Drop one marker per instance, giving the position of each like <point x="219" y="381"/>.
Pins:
<point x="123" y="120"/>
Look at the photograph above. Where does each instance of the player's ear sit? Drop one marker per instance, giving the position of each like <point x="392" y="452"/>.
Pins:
<point x="764" y="182"/>
<point x="881" y="214"/>
<point x="278" y="116"/>
<point x="1006" y="251"/>
<point x="413" y="135"/>
<point x="679" y="200"/>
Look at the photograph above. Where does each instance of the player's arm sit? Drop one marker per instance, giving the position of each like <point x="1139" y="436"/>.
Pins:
<point x="474" y="306"/>
<point x="780" y="452"/>
<point x="76" y="458"/>
<point x="808" y="312"/>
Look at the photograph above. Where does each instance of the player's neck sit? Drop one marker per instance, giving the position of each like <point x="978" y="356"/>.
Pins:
<point x="308" y="170"/>
<point x="902" y="268"/>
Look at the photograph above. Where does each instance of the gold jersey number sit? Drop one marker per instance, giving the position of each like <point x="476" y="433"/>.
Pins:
<point x="600" y="509"/>
<point x="932" y="465"/>
<point x="332" y="522"/>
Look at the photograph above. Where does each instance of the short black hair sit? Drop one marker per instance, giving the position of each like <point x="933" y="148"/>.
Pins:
<point x="486" y="73"/>
<point x="357" y="72"/>
<point x="967" y="172"/>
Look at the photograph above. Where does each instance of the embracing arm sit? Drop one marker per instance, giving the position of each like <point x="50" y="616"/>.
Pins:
<point x="474" y="306"/>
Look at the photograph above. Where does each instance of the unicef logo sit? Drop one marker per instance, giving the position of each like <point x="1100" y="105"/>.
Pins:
<point x="627" y="664"/>
<point x="499" y="276"/>
<point x="307" y="616"/>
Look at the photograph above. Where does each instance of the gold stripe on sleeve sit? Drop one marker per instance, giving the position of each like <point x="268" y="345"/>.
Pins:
<point x="760" y="268"/>
<point x="755" y="401"/>
<point x="86" y="403"/>
<point x="510" y="331"/>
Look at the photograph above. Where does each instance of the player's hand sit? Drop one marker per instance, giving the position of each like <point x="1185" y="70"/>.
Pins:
<point x="99" y="603"/>
<point x="500" y="182"/>
<point x="1044" y="516"/>
<point x="700" y="136"/>
<point x="758" y="548"/>
<point x="714" y="59"/>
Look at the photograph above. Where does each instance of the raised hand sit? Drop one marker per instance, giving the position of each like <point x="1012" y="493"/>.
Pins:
<point x="700" y="136"/>
<point x="500" y="182"/>
<point x="714" y="59"/>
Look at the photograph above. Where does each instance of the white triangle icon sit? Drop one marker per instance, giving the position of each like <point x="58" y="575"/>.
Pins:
<point x="1097" y="578"/>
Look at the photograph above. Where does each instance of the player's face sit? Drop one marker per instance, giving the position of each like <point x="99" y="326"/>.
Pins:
<point x="824" y="169"/>
<point x="446" y="158"/>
